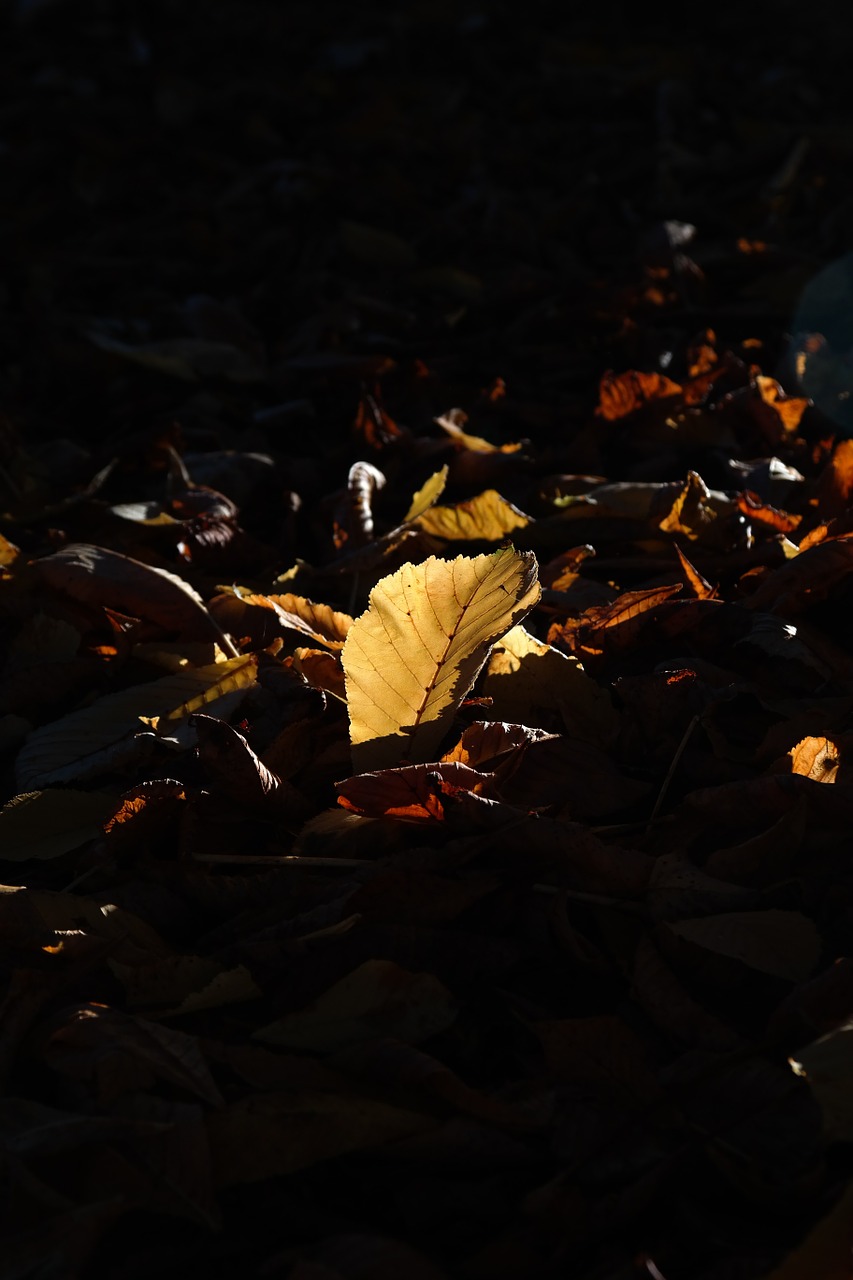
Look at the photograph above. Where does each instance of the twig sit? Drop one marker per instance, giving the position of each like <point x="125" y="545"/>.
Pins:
<point x="271" y="860"/>
<point x="679" y="752"/>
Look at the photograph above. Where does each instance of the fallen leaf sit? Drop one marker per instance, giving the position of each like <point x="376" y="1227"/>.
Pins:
<point x="528" y="681"/>
<point x="98" y="576"/>
<point x="377" y="999"/>
<point x="47" y="824"/>
<point x="412" y="657"/>
<point x="784" y="944"/>
<point x="413" y="793"/>
<point x="98" y="739"/>
<point x="816" y="758"/>
<point x="428" y="494"/>
<point x="486" y="518"/>
<point x="268" y="1135"/>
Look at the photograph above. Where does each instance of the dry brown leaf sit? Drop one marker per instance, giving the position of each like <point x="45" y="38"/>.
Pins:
<point x="805" y="580"/>
<point x="785" y="944"/>
<point x="184" y="984"/>
<point x="377" y="999"/>
<point x="232" y="765"/>
<point x="101" y="737"/>
<point x="484" y="740"/>
<point x="47" y="824"/>
<point x="102" y="577"/>
<point x="413" y="793"/>
<point x="412" y="657"/>
<point x="267" y="1135"/>
<point x="700" y="587"/>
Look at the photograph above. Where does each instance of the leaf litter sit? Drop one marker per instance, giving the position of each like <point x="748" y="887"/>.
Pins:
<point x="425" y="686"/>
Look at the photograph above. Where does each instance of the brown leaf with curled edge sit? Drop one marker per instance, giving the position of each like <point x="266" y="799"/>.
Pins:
<point x="453" y="423"/>
<point x="784" y="944"/>
<point x="835" y="486"/>
<point x="528" y="681"/>
<point x="613" y="625"/>
<point x="322" y="670"/>
<point x="377" y="999"/>
<point x="231" y="764"/>
<point x="807" y="579"/>
<point x="413" y="792"/>
<point x="700" y="586"/>
<point x="97" y="576"/>
<point x="412" y="657"/>
<point x="428" y="494"/>
<point x="622" y="393"/>
<point x="749" y="504"/>
<point x="486" y="518"/>
<point x="485" y="740"/>
<point x="267" y="1135"/>
<point x="816" y="758"/>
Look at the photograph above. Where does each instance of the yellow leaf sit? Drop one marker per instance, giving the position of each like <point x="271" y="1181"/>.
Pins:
<point x="427" y="495"/>
<point x="453" y="423"/>
<point x="319" y="621"/>
<point x="528" y="681"/>
<point x="412" y="657"/>
<point x="488" y="517"/>
<point x="240" y="673"/>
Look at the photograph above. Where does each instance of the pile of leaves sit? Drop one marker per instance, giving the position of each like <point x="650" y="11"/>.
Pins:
<point x="424" y="706"/>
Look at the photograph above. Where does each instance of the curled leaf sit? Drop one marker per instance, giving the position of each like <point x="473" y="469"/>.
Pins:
<point x="414" y="793"/>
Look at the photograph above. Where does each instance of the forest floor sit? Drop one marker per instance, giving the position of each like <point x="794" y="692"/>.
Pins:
<point x="426" y="530"/>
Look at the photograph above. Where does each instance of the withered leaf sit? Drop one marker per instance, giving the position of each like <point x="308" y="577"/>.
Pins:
<point x="484" y="740"/>
<point x="98" y="576"/>
<point x="414" y="792"/>
<point x="377" y="999"/>
<point x="623" y="393"/>
<point x="453" y="423"/>
<point x="785" y="944"/>
<point x="412" y="657"/>
<point x="47" y="824"/>
<point x="269" y="1134"/>
<point x="322" y="670"/>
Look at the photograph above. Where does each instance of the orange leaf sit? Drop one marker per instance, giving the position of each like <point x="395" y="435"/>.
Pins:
<point x="413" y="793"/>
<point x="624" y="393"/>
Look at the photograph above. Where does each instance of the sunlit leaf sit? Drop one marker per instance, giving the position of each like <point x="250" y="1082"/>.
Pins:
<point x="412" y="657"/>
<point x="816" y="758"/>
<point x="488" y="517"/>
<point x="484" y="740"/>
<point x="429" y="493"/>
<point x="623" y="393"/>
<point x="453" y="423"/>
<point x="322" y="670"/>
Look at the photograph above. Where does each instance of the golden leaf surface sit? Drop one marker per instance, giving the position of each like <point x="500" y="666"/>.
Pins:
<point x="488" y="517"/>
<point x="412" y="656"/>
